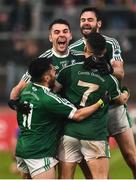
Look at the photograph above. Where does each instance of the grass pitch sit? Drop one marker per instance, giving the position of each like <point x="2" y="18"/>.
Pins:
<point x="118" y="168"/>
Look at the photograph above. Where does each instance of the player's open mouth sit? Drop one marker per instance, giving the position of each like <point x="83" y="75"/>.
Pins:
<point x="86" y="29"/>
<point x="61" y="42"/>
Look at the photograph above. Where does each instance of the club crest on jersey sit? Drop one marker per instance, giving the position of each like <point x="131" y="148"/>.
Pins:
<point x="73" y="61"/>
<point x="56" y="67"/>
<point x="34" y="88"/>
<point x="64" y="64"/>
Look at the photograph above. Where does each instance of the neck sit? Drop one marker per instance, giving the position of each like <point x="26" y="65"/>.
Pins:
<point x="43" y="84"/>
<point x="88" y="52"/>
<point x="61" y="53"/>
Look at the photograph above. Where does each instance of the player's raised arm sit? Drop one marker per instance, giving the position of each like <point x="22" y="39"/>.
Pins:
<point x="20" y="86"/>
<point x="118" y="69"/>
<point x="17" y="89"/>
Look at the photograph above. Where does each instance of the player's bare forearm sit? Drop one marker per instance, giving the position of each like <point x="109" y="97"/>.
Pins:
<point x="118" y="69"/>
<point x="17" y="89"/>
<point x="118" y="73"/>
<point x="85" y="112"/>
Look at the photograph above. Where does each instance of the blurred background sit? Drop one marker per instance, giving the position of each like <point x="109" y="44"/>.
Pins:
<point x="24" y="35"/>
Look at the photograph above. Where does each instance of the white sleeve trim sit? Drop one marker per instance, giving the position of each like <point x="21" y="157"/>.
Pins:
<point x="26" y="77"/>
<point x="72" y="113"/>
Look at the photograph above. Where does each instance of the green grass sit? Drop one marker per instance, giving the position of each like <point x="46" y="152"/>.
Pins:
<point x="118" y="168"/>
<point x="5" y="161"/>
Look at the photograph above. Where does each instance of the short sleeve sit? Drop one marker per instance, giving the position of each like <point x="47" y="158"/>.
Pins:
<point x="59" y="106"/>
<point x="113" y="87"/>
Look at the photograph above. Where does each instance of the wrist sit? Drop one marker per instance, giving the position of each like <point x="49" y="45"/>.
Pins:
<point x="12" y="104"/>
<point x="125" y="91"/>
<point x="101" y="103"/>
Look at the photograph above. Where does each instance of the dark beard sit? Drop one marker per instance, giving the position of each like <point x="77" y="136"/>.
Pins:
<point x="92" y="30"/>
<point x="52" y="84"/>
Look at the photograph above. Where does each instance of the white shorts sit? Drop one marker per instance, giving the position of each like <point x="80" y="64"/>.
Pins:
<point x="118" y="120"/>
<point x="35" y="166"/>
<point x="73" y="150"/>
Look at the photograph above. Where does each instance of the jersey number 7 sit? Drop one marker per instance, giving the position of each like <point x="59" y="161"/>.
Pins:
<point x="91" y="88"/>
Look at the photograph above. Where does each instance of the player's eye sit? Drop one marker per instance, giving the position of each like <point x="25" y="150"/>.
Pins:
<point x="66" y="31"/>
<point x="90" y="19"/>
<point x="56" y="32"/>
<point x="82" y="20"/>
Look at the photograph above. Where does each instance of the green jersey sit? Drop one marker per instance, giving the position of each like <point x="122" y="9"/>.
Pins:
<point x="83" y="88"/>
<point x="59" y="61"/>
<point x="113" y="48"/>
<point x="39" y="131"/>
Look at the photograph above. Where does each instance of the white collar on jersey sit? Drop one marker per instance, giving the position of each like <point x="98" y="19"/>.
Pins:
<point x="84" y="40"/>
<point x="43" y="87"/>
<point x="58" y="55"/>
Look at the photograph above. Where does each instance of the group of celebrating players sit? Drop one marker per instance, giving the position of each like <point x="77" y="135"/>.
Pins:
<point x="70" y="101"/>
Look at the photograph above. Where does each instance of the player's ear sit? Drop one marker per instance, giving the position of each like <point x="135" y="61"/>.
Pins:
<point x="99" y="24"/>
<point x="45" y="78"/>
<point x="50" y="38"/>
<point x="71" y="36"/>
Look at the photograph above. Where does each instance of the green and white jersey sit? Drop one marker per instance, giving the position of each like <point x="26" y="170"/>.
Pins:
<point x="59" y="61"/>
<point x="83" y="88"/>
<point x="113" y="48"/>
<point x="39" y="131"/>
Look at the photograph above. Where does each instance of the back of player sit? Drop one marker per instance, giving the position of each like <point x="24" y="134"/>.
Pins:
<point x="38" y="129"/>
<point x="83" y="87"/>
<point x="113" y="49"/>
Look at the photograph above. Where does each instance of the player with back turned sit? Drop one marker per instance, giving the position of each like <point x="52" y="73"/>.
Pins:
<point x="83" y="83"/>
<point x="119" y="124"/>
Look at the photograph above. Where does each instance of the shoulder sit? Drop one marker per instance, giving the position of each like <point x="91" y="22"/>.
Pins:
<point x="70" y="67"/>
<point x="111" y="41"/>
<point x="76" y="52"/>
<point x="76" y="43"/>
<point x="113" y="80"/>
<point x="47" y="54"/>
<point x="49" y="97"/>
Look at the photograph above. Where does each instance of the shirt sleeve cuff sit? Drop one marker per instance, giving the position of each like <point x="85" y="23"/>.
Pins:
<point x="72" y="113"/>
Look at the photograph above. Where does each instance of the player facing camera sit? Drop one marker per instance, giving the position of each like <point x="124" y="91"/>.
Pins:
<point x="94" y="53"/>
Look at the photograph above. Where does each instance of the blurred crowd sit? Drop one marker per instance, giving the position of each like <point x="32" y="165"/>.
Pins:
<point x="23" y="21"/>
<point x="23" y="15"/>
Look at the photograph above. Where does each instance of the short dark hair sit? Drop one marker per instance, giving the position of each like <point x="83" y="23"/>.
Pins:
<point x="59" y="21"/>
<point x="94" y="10"/>
<point x="97" y="42"/>
<point x="38" y="67"/>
